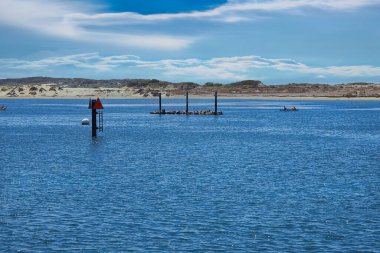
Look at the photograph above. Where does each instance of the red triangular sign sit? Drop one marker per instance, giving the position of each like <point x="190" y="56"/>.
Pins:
<point x="98" y="104"/>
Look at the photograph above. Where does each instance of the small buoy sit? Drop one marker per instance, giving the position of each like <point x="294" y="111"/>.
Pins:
<point x="85" y="121"/>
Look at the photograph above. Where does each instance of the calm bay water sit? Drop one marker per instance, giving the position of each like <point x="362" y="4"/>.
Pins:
<point x="254" y="179"/>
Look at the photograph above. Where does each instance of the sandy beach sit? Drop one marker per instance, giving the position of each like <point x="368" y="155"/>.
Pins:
<point x="42" y="91"/>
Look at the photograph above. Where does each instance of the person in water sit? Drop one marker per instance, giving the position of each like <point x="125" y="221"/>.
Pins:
<point x="285" y="108"/>
<point x="294" y="108"/>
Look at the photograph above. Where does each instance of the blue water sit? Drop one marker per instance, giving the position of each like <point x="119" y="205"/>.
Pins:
<point x="254" y="179"/>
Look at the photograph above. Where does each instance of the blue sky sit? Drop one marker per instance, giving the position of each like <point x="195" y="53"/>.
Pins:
<point x="156" y="6"/>
<point x="275" y="41"/>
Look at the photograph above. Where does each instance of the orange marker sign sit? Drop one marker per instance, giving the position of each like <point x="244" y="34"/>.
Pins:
<point x="98" y="104"/>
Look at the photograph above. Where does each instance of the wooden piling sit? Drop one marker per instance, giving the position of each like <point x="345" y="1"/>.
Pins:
<point x="216" y="103"/>
<point x="159" y="101"/>
<point x="187" y="102"/>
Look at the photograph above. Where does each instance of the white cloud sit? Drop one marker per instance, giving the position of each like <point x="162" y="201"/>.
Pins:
<point x="70" y="20"/>
<point x="221" y="69"/>
<point x="233" y="11"/>
<point x="53" y="18"/>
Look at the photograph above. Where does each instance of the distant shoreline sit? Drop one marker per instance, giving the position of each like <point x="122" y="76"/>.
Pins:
<point x="150" y="89"/>
<point x="220" y="97"/>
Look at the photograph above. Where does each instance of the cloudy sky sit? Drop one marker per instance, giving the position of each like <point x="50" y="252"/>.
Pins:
<point x="275" y="41"/>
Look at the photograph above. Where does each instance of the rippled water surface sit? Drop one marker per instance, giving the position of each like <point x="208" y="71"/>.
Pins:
<point x="254" y="179"/>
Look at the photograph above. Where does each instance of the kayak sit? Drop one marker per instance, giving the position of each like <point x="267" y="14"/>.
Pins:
<point x="289" y="110"/>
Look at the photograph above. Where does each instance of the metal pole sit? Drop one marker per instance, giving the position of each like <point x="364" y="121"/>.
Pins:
<point x="216" y="103"/>
<point x="187" y="102"/>
<point x="159" y="99"/>
<point x="93" y="124"/>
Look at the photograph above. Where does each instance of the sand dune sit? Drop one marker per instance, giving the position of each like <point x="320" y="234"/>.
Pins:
<point x="53" y="90"/>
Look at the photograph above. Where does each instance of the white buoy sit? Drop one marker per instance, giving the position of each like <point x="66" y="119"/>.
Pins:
<point x="85" y="122"/>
